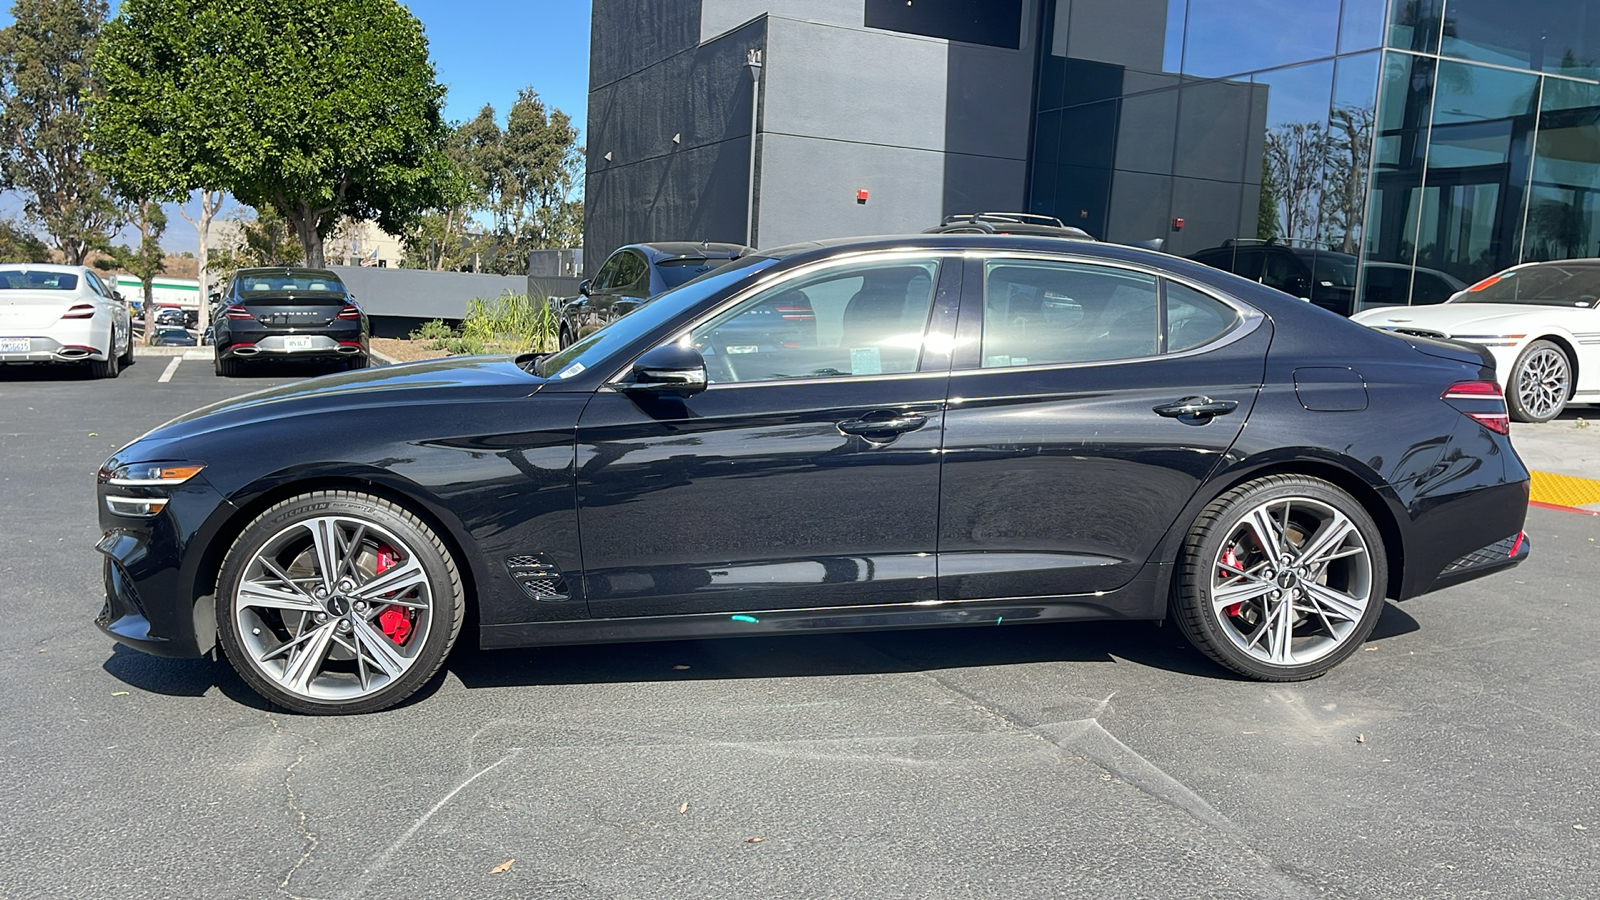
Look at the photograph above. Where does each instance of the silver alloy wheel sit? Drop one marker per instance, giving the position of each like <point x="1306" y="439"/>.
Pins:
<point x="1292" y="581"/>
<point x="318" y="608"/>
<point x="1542" y="382"/>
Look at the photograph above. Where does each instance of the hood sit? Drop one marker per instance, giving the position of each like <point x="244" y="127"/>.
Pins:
<point x="1474" y="319"/>
<point x="407" y="386"/>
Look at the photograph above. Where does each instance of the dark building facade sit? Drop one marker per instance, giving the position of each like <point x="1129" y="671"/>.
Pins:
<point x="1351" y="151"/>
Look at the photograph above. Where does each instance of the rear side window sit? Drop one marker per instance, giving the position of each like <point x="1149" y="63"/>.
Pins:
<point x="1055" y="313"/>
<point x="1046" y="313"/>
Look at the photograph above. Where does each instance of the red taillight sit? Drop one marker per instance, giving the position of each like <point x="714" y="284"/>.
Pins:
<point x="349" y="312"/>
<point x="240" y="314"/>
<point x="1521" y="536"/>
<point x="1484" y="403"/>
<point x="80" y="311"/>
<point x="796" y="312"/>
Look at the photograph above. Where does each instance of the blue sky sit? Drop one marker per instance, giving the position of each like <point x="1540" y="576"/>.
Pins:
<point x="484" y="51"/>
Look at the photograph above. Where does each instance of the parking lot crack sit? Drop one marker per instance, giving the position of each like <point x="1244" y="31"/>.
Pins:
<point x="297" y="815"/>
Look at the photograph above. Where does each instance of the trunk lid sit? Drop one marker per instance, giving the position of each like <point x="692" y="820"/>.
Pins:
<point x="34" y="310"/>
<point x="294" y="309"/>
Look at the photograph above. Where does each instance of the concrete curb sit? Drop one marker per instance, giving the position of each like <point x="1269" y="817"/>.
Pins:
<point x="383" y="358"/>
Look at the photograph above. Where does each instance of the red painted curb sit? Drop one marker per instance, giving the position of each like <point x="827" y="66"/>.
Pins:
<point x="1570" y="509"/>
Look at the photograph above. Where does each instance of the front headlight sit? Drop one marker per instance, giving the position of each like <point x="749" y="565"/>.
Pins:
<point x="146" y="483"/>
<point x="156" y="474"/>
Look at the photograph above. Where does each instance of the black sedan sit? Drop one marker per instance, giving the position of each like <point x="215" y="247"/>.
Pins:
<point x="975" y="430"/>
<point x="633" y="275"/>
<point x="170" y="336"/>
<point x="288" y="314"/>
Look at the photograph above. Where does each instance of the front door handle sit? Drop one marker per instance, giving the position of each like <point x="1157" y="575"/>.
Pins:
<point x="1196" y="410"/>
<point x="882" y="427"/>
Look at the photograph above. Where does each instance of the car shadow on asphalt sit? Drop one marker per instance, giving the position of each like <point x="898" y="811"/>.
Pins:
<point x="1146" y="644"/>
<point x="45" y="372"/>
<point x="861" y="653"/>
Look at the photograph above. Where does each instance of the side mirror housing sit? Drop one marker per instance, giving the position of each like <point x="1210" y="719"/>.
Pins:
<point x="583" y="287"/>
<point x="670" y="371"/>
<point x="118" y="295"/>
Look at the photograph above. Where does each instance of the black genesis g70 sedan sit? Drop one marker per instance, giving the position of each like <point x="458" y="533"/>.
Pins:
<point x="975" y="430"/>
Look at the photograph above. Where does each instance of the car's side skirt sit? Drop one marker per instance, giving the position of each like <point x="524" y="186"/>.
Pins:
<point x="937" y="614"/>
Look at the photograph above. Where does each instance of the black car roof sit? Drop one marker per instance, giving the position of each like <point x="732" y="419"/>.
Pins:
<point x="655" y="250"/>
<point x="290" y="272"/>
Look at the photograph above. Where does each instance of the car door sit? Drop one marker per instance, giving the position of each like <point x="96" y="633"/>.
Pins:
<point x="806" y="475"/>
<point x="1088" y="402"/>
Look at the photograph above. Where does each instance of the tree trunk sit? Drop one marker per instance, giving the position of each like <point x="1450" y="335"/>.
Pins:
<point x="305" y="222"/>
<point x="210" y="205"/>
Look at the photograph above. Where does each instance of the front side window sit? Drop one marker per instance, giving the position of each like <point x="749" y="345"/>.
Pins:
<point x="608" y="273"/>
<point x="847" y="321"/>
<point x="630" y="271"/>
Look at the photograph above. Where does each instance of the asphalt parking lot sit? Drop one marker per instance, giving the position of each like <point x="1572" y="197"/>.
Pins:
<point x="1452" y="757"/>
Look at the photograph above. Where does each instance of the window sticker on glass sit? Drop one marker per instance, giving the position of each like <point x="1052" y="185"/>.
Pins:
<point x="570" y="371"/>
<point x="866" y="361"/>
<point x="743" y="348"/>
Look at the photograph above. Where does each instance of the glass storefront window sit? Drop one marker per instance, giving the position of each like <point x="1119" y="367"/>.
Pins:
<point x="1563" y="217"/>
<point x="1352" y="126"/>
<point x="1361" y="25"/>
<point x="1560" y="36"/>
<point x="1415" y="25"/>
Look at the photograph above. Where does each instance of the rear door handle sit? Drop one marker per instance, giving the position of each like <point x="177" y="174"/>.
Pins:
<point x="881" y="427"/>
<point x="1196" y="410"/>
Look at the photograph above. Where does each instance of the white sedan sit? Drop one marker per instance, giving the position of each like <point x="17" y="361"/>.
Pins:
<point x="63" y="314"/>
<point x="1541" y="321"/>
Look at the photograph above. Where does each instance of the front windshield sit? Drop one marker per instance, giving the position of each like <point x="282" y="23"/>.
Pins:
<point x="1547" y="285"/>
<point x="596" y="347"/>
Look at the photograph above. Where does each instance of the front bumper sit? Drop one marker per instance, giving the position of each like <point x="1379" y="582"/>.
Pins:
<point x="153" y="568"/>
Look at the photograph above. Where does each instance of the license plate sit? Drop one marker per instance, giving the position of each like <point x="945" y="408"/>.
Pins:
<point x="297" y="343"/>
<point x="15" y="345"/>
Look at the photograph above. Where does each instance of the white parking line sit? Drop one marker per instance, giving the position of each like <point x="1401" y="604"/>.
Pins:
<point x="171" y="367"/>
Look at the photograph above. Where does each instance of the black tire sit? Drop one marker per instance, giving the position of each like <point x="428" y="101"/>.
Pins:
<point x="1326" y="606"/>
<point x="126" y="359"/>
<point x="359" y="361"/>
<point x="108" y="367"/>
<point x="340" y="681"/>
<point x="227" y="366"/>
<point x="564" y="340"/>
<point x="1540" y="383"/>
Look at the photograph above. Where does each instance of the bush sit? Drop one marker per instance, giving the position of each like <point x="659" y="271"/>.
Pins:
<point x="435" y="331"/>
<point x="511" y="323"/>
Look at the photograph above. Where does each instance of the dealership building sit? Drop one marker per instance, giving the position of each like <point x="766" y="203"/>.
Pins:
<point x="1397" y="144"/>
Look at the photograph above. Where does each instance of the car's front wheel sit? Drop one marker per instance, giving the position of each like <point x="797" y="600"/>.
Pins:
<point x="1540" y="382"/>
<point x="1281" y="578"/>
<point x="338" y="602"/>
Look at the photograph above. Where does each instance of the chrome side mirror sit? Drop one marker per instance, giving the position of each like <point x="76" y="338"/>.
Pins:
<point x="669" y="371"/>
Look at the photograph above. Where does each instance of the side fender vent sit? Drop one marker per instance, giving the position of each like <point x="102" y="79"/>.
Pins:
<point x="539" y="578"/>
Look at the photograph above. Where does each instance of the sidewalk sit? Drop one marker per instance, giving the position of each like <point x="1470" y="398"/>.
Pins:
<point x="1565" y="457"/>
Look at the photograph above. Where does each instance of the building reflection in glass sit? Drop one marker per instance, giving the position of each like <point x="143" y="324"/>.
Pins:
<point x="1352" y="153"/>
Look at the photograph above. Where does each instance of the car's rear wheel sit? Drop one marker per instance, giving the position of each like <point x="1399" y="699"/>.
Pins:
<point x="338" y="602"/>
<point x="109" y="367"/>
<point x="1540" y="382"/>
<point x="126" y="359"/>
<point x="359" y="361"/>
<point x="227" y="366"/>
<point x="1281" y="578"/>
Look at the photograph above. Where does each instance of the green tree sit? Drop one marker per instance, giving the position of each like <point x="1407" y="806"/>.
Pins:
<point x="45" y="82"/>
<point x="321" y="109"/>
<point x="145" y="261"/>
<point x="17" y="244"/>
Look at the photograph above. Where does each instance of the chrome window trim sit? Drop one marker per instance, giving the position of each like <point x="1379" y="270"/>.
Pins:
<point x="761" y="286"/>
<point x="1250" y="318"/>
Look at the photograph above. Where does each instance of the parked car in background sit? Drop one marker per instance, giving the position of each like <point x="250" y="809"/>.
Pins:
<point x="286" y="313"/>
<point x="63" y="314"/>
<point x="1541" y="321"/>
<point x="173" y="316"/>
<point x="1394" y="284"/>
<point x="1324" y="277"/>
<point x="632" y="276"/>
<point x="1008" y="223"/>
<point x="173" y="336"/>
<point x="979" y="429"/>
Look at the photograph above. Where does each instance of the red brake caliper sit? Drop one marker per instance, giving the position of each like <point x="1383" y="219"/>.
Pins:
<point x="1230" y="559"/>
<point x="394" y="620"/>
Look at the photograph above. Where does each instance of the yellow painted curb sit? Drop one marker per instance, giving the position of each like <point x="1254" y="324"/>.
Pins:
<point x="1564" y="490"/>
